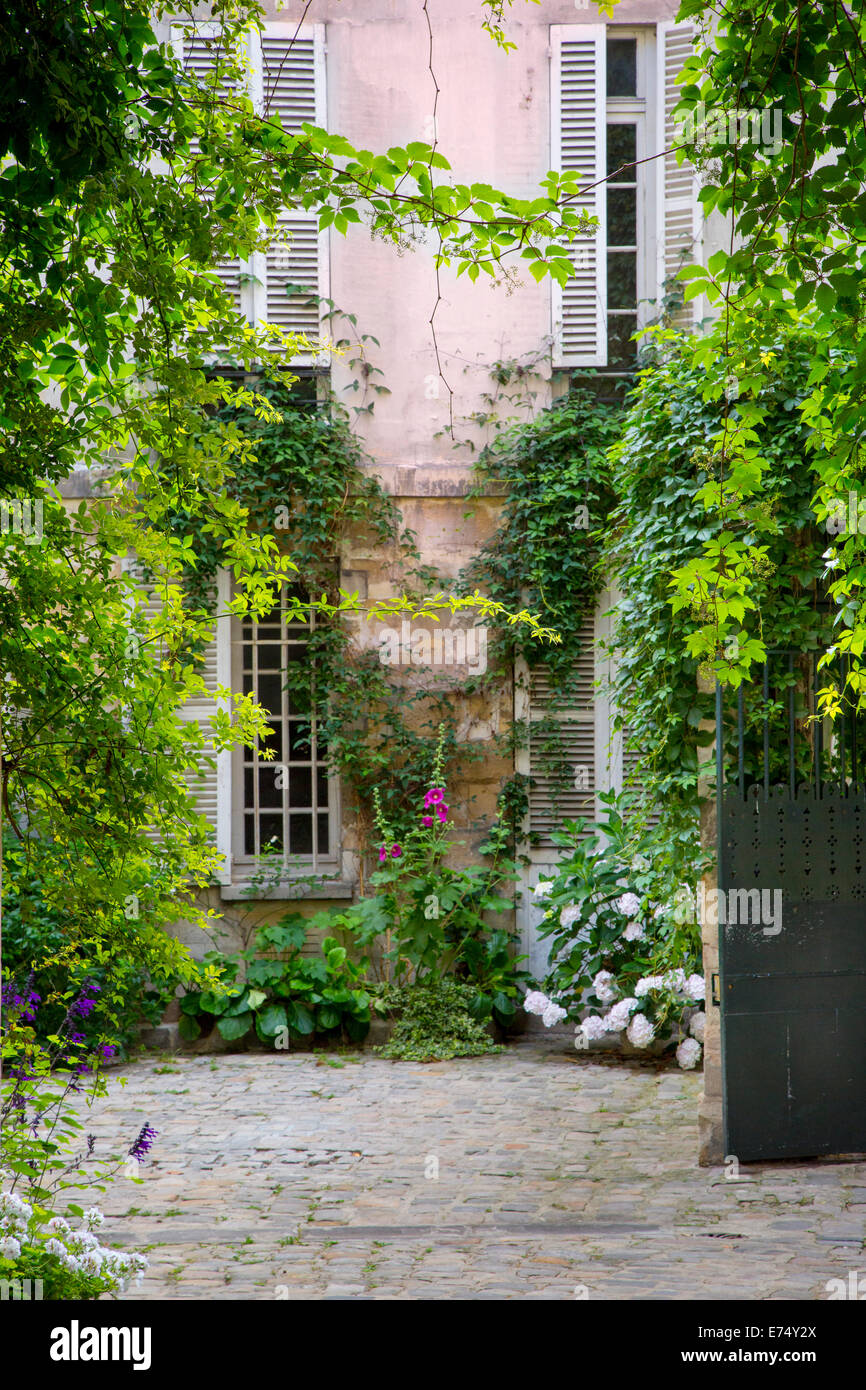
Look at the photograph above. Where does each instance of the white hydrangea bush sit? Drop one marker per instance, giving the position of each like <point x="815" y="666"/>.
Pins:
<point x="29" y="1234"/>
<point x="625" y="963"/>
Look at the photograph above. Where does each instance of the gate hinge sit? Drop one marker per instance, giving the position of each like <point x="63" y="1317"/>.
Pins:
<point x="714" y="989"/>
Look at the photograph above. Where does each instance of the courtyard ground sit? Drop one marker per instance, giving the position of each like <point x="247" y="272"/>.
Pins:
<point x="531" y="1174"/>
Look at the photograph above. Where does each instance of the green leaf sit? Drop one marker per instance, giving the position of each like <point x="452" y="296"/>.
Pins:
<point x="235" y="1027"/>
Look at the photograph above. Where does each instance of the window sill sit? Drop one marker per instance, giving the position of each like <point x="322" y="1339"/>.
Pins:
<point x="238" y="891"/>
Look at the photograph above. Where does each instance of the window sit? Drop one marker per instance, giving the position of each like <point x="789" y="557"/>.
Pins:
<point x="286" y="80"/>
<point x="285" y="806"/>
<point x="612" y="91"/>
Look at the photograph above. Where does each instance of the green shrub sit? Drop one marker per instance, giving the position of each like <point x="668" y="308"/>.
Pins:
<point x="434" y="1023"/>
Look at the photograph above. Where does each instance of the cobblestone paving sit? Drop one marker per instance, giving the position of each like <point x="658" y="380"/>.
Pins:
<point x="304" y="1176"/>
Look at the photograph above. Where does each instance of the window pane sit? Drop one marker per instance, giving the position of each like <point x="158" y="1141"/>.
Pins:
<point x="622" y="67"/>
<point x="620" y="352"/>
<point x="248" y="786"/>
<point x="621" y="217"/>
<point x="301" y="834"/>
<point x="249" y="835"/>
<point x="622" y="280"/>
<point x="271" y="831"/>
<point x="270" y="794"/>
<point x="322" y="786"/>
<point x="621" y="149"/>
<point x="269" y="656"/>
<point x="300" y="786"/>
<point x="299" y="740"/>
<point x="270" y="694"/>
<point x="323" y="833"/>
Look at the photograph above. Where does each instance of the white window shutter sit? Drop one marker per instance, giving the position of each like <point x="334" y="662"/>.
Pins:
<point x="578" y="143"/>
<point x="679" y="212"/>
<point x="292" y="66"/>
<point x="211" y="786"/>
<point x="196" y="46"/>
<point x="566" y="776"/>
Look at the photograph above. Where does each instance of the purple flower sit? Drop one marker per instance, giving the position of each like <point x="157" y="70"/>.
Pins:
<point x="28" y="1000"/>
<point x="76" y="1038"/>
<point x="108" y="1049"/>
<point x="396" y="851"/>
<point x="143" y="1143"/>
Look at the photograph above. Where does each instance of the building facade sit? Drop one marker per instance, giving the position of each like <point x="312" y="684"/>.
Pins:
<point x="574" y="94"/>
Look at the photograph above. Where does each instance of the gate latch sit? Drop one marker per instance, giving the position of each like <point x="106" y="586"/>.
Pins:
<point x="714" y="987"/>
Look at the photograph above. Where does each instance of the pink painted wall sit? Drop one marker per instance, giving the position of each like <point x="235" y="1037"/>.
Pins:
<point x="493" y="121"/>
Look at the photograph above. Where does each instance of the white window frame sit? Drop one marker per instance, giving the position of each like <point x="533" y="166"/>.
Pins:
<point x="640" y="111"/>
<point x="322" y="865"/>
<point x="252" y="270"/>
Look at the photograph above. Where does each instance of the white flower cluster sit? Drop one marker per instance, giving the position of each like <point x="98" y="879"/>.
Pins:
<point x="79" y="1251"/>
<point x="537" y="1003"/>
<point x="541" y="890"/>
<point x="687" y="986"/>
<point x="688" y="1053"/>
<point x="569" y="915"/>
<point x="628" y="905"/>
<point x="602" y="987"/>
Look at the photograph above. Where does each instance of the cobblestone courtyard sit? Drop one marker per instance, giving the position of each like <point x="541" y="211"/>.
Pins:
<point x="531" y="1174"/>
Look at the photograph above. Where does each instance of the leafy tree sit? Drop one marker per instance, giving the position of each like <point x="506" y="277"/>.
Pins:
<point x="794" y="256"/>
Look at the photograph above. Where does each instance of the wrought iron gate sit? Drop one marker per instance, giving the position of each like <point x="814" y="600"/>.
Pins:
<point x="791" y="820"/>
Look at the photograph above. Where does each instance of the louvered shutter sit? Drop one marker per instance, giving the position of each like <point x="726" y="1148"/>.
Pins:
<point x="293" y="90"/>
<point x="211" y="785"/>
<point x="564" y="768"/>
<point x="578" y="130"/>
<point x="197" y="46"/>
<point x="679" y="212"/>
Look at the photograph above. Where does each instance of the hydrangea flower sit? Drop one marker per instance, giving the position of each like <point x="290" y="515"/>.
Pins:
<point x="541" y="890"/>
<point x="696" y="987"/>
<point x="697" y="1025"/>
<point x="534" y="1002"/>
<point x="617" y="1018"/>
<point x="553" y="1014"/>
<point x="592" y="1028"/>
<point x="675" y="980"/>
<point x="640" y="1032"/>
<point x="633" y="932"/>
<point x="688" y="1053"/>
<point x="647" y="983"/>
<point x="602" y="987"/>
<point x="628" y="905"/>
<point x="569" y="915"/>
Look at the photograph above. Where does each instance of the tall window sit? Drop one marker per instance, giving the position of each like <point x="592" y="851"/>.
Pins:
<point x="626" y="69"/>
<point x="285" y="807"/>
<point x="604" y="114"/>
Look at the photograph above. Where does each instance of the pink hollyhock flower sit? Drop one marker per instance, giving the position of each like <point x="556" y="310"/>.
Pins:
<point x="442" y="812"/>
<point x="396" y="851"/>
<point x="427" y="820"/>
<point x="383" y="854"/>
<point x="434" y="796"/>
